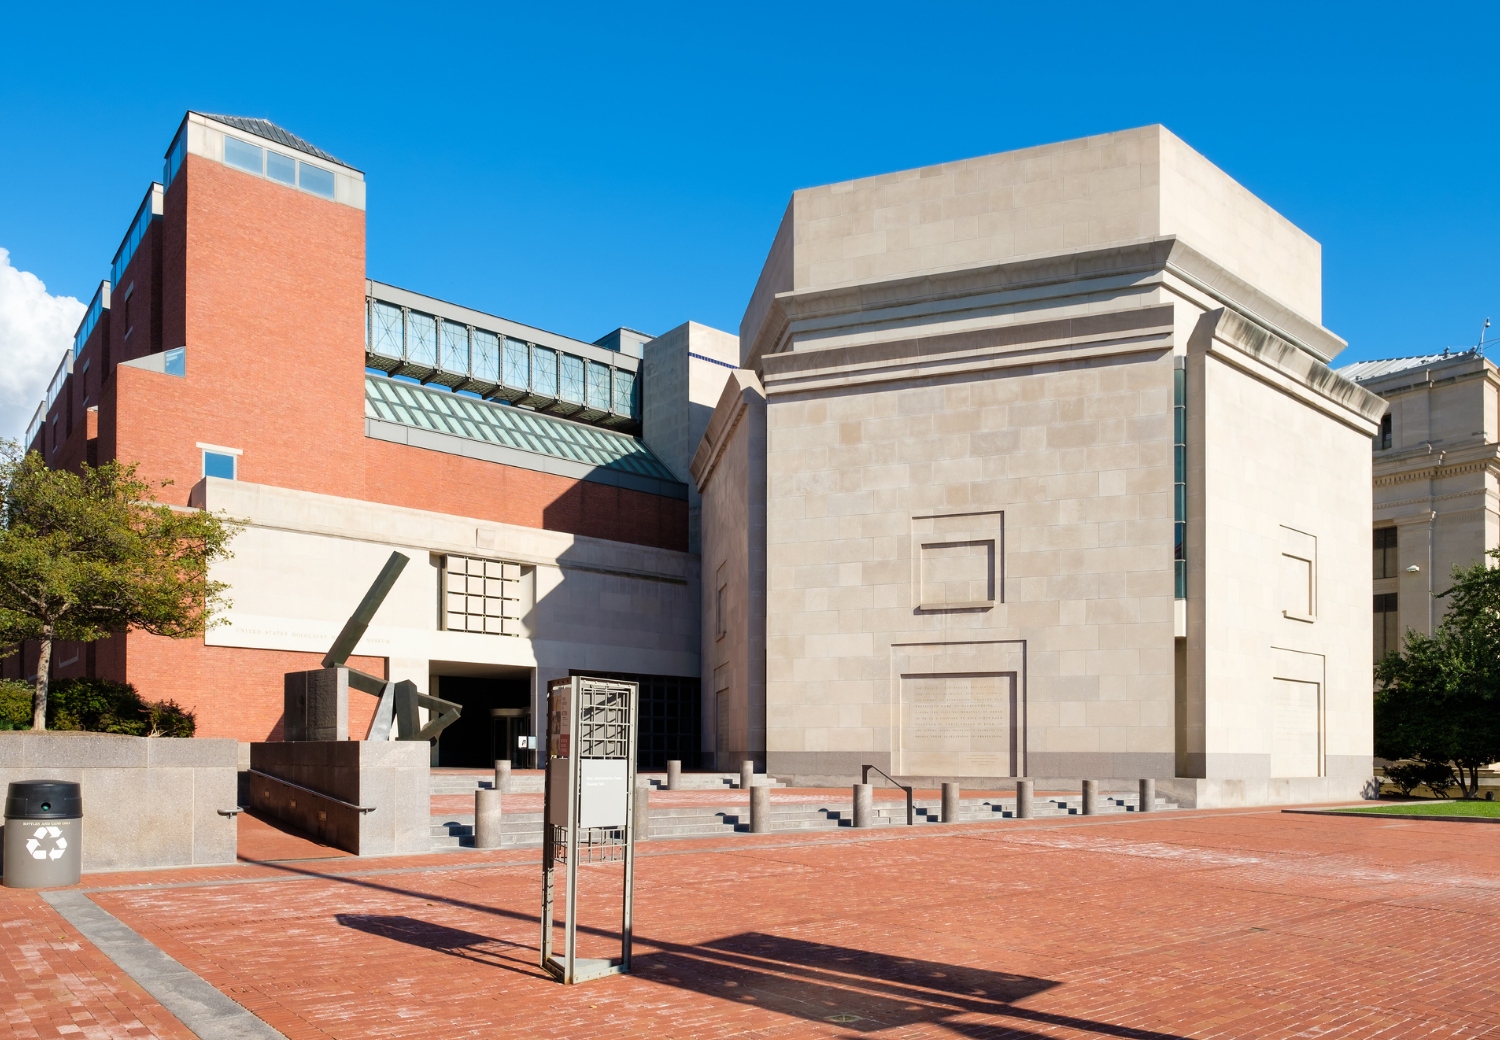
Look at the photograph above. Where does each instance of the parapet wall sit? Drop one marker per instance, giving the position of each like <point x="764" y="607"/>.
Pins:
<point x="147" y="801"/>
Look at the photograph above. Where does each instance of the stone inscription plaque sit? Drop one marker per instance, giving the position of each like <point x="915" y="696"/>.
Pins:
<point x="961" y="724"/>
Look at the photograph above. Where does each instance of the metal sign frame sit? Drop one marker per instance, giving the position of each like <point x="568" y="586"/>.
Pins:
<point x="597" y="730"/>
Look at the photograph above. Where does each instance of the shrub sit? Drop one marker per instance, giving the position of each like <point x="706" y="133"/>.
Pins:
<point x="15" y="704"/>
<point x="169" y="719"/>
<point x="106" y="706"/>
<point x="1408" y="776"/>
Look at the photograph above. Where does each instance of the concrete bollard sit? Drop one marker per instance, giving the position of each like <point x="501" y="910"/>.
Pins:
<point x="950" y="803"/>
<point x="1148" y="795"/>
<point x="1090" y="797"/>
<point x="502" y="775"/>
<point x="1024" y="791"/>
<point x="486" y="818"/>
<point x="760" y="809"/>
<point x="674" y="775"/>
<point x="747" y="775"/>
<point x="642" y="813"/>
<point x="864" y="805"/>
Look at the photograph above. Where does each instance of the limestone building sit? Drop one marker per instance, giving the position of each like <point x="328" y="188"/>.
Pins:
<point x="1436" y="481"/>
<point x="1035" y="466"/>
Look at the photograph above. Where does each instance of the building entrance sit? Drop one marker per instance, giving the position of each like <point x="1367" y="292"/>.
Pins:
<point x="507" y="728"/>
<point x="496" y="711"/>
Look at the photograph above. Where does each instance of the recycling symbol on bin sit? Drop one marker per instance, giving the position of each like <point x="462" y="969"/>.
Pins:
<point x="59" y="843"/>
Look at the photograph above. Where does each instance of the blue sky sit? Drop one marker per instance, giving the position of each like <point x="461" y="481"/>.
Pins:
<point x="584" y="167"/>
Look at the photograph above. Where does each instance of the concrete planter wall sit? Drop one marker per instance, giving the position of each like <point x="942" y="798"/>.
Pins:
<point x="147" y="802"/>
<point x="319" y="786"/>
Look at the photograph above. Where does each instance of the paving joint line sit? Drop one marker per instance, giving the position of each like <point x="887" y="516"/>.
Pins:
<point x="880" y="834"/>
<point x="205" y="1011"/>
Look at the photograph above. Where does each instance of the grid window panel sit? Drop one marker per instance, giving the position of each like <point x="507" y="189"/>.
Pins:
<point x="517" y="365"/>
<point x="486" y="356"/>
<point x="624" y="393"/>
<point x="386" y="329"/>
<point x="482" y="595"/>
<point x="422" y="339"/>
<point x="599" y="392"/>
<point x="570" y="378"/>
<point x="544" y="372"/>
<point x="455" y="347"/>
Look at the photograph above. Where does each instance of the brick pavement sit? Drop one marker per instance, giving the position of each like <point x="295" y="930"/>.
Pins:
<point x="1223" y="924"/>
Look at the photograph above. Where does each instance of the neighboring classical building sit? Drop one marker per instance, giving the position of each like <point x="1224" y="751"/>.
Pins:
<point x="1036" y="467"/>
<point x="240" y="350"/>
<point x="1437" y="481"/>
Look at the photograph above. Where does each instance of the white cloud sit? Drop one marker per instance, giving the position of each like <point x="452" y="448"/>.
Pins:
<point x="36" y="330"/>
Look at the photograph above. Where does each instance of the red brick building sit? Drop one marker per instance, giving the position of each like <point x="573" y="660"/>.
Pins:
<point x="240" y="351"/>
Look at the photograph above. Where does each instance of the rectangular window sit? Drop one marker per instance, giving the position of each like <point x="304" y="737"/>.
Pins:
<point x="218" y="464"/>
<point x="421" y="340"/>
<point x="544" y="372"/>
<point x="599" y="389"/>
<point x="280" y="167"/>
<point x="720" y="595"/>
<point x="1383" y="438"/>
<point x="1179" y="484"/>
<point x="455" y="348"/>
<point x="315" y="179"/>
<point x="570" y="378"/>
<point x="1387" y="625"/>
<point x="486" y="356"/>
<point x="517" y="365"/>
<point x="385" y="329"/>
<point x="1385" y="552"/>
<point x="243" y="155"/>
<point x="174" y="159"/>
<point x="624" y="392"/>
<point x="482" y="596"/>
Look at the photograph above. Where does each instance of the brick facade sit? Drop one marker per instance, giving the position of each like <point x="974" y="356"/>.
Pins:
<point x="264" y="285"/>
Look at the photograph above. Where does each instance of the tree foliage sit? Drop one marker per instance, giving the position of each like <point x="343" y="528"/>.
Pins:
<point x="90" y="553"/>
<point x="1437" y="699"/>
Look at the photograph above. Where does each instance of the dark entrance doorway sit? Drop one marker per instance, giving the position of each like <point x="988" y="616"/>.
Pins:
<point x="497" y="710"/>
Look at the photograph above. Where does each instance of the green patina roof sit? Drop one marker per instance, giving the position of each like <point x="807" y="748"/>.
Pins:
<point x="519" y="428"/>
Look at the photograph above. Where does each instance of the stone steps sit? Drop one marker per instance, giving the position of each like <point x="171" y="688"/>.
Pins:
<point x="452" y="831"/>
<point x="530" y="783"/>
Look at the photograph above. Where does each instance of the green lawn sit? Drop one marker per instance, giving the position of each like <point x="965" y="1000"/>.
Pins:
<point x="1450" y="808"/>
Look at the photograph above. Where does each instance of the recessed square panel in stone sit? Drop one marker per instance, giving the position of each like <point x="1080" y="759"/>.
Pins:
<point x="958" y="574"/>
<point x="958" y="561"/>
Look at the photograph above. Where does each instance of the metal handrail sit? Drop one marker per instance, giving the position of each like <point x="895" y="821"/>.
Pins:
<point x="911" y="814"/>
<point x="309" y="790"/>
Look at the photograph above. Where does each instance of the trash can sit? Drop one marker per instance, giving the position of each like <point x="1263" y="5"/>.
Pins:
<point x="43" y="834"/>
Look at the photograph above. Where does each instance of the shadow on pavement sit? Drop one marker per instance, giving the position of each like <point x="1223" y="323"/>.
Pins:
<point x="862" y="990"/>
<point x="471" y="946"/>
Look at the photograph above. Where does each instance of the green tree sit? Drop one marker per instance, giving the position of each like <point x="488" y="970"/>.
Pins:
<point x="91" y="553"/>
<point x="1437" y="699"/>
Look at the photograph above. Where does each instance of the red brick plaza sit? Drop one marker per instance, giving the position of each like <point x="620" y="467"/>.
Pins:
<point x="1235" y="923"/>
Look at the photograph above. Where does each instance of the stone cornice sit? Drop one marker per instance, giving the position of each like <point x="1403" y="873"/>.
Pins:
<point x="739" y="390"/>
<point x="1130" y="330"/>
<point x="1047" y="277"/>
<point x="1266" y="356"/>
<point x="1438" y="465"/>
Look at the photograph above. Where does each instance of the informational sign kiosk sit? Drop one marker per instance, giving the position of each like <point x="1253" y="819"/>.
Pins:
<point x="590" y="808"/>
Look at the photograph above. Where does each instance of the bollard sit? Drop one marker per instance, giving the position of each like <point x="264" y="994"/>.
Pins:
<point x="1024" y="790"/>
<point x="864" y="805"/>
<point x="760" y="809"/>
<point x="747" y="775"/>
<point x="642" y="813"/>
<point x="1090" y="797"/>
<point x="502" y="775"/>
<point x="950" y="803"/>
<point x="1148" y="795"/>
<point x="674" y="775"/>
<point x="486" y="818"/>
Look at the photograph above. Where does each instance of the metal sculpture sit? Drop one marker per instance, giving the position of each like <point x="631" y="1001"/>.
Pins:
<point x="317" y="701"/>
